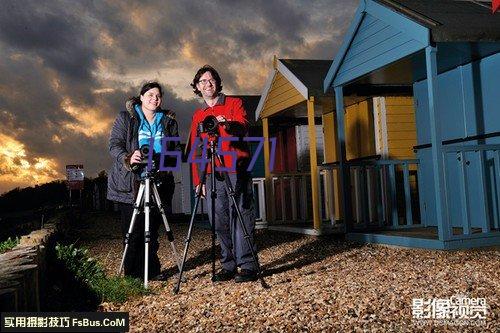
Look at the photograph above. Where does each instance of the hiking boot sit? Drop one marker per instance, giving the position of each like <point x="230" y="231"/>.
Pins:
<point x="224" y="275"/>
<point x="246" y="275"/>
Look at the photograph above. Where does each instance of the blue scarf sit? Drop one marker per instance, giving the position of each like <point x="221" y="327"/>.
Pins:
<point x="148" y="131"/>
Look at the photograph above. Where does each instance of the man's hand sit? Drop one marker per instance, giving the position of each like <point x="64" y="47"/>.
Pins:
<point x="203" y="190"/>
<point x="223" y="120"/>
<point x="136" y="157"/>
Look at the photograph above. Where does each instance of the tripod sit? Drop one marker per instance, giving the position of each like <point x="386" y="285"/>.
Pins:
<point x="213" y="156"/>
<point x="143" y="200"/>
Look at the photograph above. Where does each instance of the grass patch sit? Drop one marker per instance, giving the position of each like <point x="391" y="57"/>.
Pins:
<point x="89" y="272"/>
<point x="8" y="244"/>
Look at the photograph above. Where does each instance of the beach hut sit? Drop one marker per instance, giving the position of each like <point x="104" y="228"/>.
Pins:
<point x="448" y="52"/>
<point x="302" y="187"/>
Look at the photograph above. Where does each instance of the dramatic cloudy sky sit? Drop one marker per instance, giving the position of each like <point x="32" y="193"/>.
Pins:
<point x="66" y="67"/>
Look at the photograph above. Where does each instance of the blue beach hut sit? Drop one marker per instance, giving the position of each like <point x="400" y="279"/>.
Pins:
<point x="449" y="52"/>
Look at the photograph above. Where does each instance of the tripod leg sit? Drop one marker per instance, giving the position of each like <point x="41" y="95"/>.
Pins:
<point x="147" y="235"/>
<point x="246" y="235"/>
<point x="187" y="241"/>
<point x="190" y="230"/>
<point x="170" y="235"/>
<point x="213" y="197"/>
<point x="137" y="205"/>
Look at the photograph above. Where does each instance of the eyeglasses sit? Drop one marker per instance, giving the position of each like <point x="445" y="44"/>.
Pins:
<point x="204" y="82"/>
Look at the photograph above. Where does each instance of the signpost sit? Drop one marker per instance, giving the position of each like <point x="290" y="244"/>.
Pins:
<point x="74" y="178"/>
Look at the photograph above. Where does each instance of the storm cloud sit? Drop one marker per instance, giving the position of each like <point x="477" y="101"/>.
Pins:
<point x="67" y="67"/>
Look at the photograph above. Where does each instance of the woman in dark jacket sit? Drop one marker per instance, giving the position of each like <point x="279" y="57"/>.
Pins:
<point x="132" y="128"/>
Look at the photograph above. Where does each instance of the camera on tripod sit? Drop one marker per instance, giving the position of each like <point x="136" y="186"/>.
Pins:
<point x="145" y="151"/>
<point x="209" y="125"/>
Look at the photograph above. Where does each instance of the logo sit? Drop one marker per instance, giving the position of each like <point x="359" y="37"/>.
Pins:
<point x="457" y="310"/>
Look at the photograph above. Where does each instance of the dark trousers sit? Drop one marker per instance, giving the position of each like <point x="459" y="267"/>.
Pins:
<point x="234" y="248"/>
<point x="134" y="262"/>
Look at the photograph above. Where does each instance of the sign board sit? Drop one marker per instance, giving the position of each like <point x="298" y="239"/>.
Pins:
<point x="74" y="176"/>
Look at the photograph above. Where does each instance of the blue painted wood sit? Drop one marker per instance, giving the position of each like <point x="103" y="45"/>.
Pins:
<point x="406" y="180"/>
<point x="466" y="225"/>
<point x="412" y="28"/>
<point x="357" y="209"/>
<point x="394" y="202"/>
<point x="367" y="28"/>
<point x="369" y="21"/>
<point x="473" y="242"/>
<point x="482" y="185"/>
<point x="362" y="186"/>
<point x="345" y="188"/>
<point x="349" y="35"/>
<point x="392" y="55"/>
<point x="414" y="32"/>
<point x="480" y="235"/>
<point x="366" y="32"/>
<point x="452" y="55"/>
<point x="497" y="190"/>
<point x="476" y="193"/>
<point x="469" y="100"/>
<point x="470" y="148"/>
<point x="425" y="243"/>
<point x="377" y="48"/>
<point x="444" y="228"/>
<point x="380" y="199"/>
<point x="433" y="244"/>
<point x="421" y="187"/>
<point x="386" y="34"/>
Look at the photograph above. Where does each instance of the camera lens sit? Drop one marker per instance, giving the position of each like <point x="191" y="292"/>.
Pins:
<point x="144" y="150"/>
<point x="210" y="124"/>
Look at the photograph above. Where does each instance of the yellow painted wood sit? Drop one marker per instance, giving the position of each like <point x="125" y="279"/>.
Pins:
<point x="359" y="129"/>
<point x="277" y="91"/>
<point x="267" y="172"/>
<point x="392" y="101"/>
<point x="399" y="109"/>
<point x="406" y="135"/>
<point x="314" y="164"/>
<point x="400" y="143"/>
<point x="401" y="153"/>
<point x="284" y="98"/>
<point x="276" y="108"/>
<point x="395" y="127"/>
<point x="330" y="156"/>
<point x="330" y="137"/>
<point x="401" y="118"/>
<point x="401" y="127"/>
<point x="282" y="95"/>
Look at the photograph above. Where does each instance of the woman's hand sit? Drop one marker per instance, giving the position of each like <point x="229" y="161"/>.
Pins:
<point x="136" y="157"/>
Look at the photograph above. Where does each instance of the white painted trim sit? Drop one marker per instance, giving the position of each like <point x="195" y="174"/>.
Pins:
<point x="293" y="79"/>
<point x="380" y="122"/>
<point x="264" y="94"/>
<point x="376" y="125"/>
<point x="383" y="122"/>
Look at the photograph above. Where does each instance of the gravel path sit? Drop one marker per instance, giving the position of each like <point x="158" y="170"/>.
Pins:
<point x="317" y="285"/>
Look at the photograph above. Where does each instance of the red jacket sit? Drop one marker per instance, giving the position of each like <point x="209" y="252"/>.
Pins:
<point x="232" y="109"/>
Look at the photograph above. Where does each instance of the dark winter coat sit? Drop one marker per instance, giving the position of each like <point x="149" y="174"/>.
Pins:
<point x="123" y="141"/>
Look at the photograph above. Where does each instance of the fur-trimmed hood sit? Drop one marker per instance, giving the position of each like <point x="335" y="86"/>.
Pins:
<point x="131" y="102"/>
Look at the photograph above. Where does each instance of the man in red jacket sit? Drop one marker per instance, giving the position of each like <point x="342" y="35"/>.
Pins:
<point x="233" y="123"/>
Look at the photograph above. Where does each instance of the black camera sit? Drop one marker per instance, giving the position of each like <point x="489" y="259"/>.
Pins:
<point x="145" y="151"/>
<point x="209" y="125"/>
